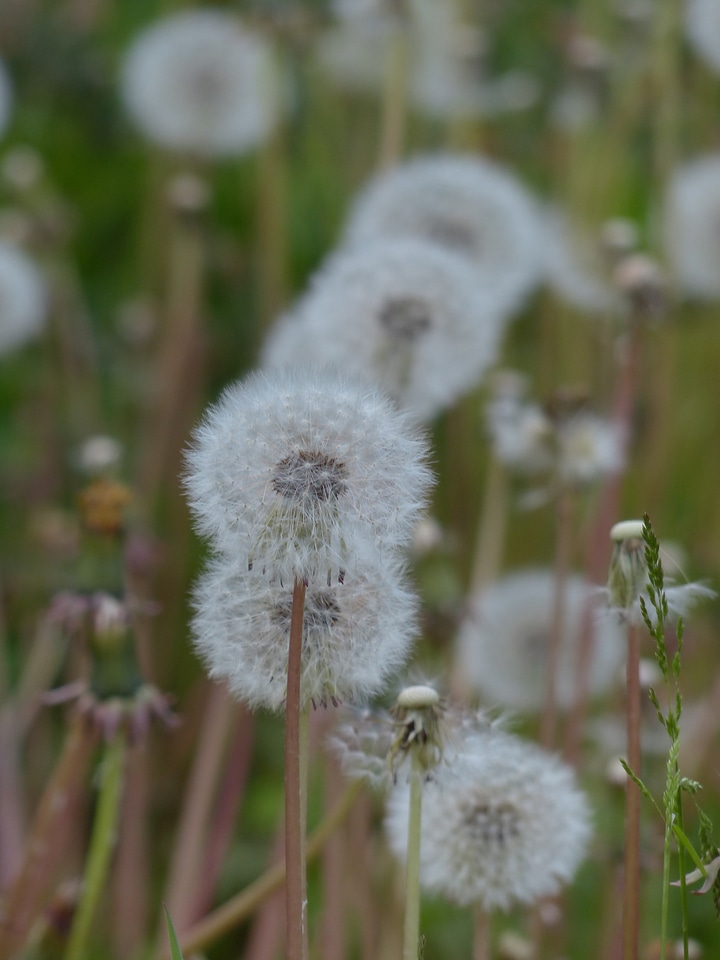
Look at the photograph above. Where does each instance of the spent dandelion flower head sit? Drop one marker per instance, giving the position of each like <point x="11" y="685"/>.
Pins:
<point x="588" y="447"/>
<point x="503" y="644"/>
<point x="627" y="582"/>
<point x="520" y="430"/>
<point x="691" y="235"/>
<point x="23" y="298"/>
<point x="402" y="312"/>
<point x="357" y="631"/>
<point x="468" y="205"/>
<point x="198" y="81"/>
<point x="702" y="28"/>
<point x="290" y="469"/>
<point x="503" y="823"/>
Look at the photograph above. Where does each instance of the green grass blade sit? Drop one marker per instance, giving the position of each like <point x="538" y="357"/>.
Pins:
<point x="175" y="951"/>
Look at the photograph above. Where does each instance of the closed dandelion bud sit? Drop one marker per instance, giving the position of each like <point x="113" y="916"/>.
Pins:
<point x="418" y="715"/>
<point x="503" y="823"/>
<point x="466" y="205"/>
<point x="628" y="572"/>
<point x="200" y="82"/>
<point x="643" y="283"/>
<point x="291" y="473"/>
<point x="356" y="632"/>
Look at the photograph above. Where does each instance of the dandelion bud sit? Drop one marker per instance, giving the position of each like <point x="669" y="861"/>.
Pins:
<point x="643" y="283"/>
<point x="418" y="712"/>
<point x="628" y="571"/>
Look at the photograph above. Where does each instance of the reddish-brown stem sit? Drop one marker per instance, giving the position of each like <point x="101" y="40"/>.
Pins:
<point x="481" y="934"/>
<point x="129" y="878"/>
<point x="631" y="892"/>
<point x="30" y="892"/>
<point x="563" y="545"/>
<point x="599" y="545"/>
<point x="296" y="881"/>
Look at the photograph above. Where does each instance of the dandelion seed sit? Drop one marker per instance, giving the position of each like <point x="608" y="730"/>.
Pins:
<point x="198" y="81"/>
<point x="692" y="226"/>
<point x="504" y="642"/>
<point x="402" y="312"/>
<point x="23" y="302"/>
<point x="357" y="632"/>
<point x="503" y="823"/>
<point x="289" y="471"/>
<point x="467" y="205"/>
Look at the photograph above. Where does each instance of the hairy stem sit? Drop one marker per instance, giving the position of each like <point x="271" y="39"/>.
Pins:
<point x="295" y="761"/>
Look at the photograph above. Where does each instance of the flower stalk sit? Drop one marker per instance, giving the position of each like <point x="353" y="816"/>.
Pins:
<point x="412" y="875"/>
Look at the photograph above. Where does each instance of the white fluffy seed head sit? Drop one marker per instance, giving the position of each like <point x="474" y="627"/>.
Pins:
<point x="198" y="81"/>
<point x="467" y="205"/>
<point x="692" y="235"/>
<point x="702" y="26"/>
<point x="290" y="470"/>
<point x="357" y="632"/>
<point x="23" y="302"/>
<point x="503" y="645"/>
<point x="588" y="447"/>
<point x="502" y="823"/>
<point x="404" y="313"/>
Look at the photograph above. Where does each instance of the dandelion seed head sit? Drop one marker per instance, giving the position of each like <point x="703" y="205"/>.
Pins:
<point x="23" y="301"/>
<point x="356" y="633"/>
<point x="198" y="81"/>
<point x="402" y="312"/>
<point x="468" y="205"/>
<point x="702" y="27"/>
<point x="289" y="470"/>
<point x="503" y="644"/>
<point x="503" y="823"/>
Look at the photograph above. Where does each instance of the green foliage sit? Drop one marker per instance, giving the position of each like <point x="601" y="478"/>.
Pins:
<point x="175" y="951"/>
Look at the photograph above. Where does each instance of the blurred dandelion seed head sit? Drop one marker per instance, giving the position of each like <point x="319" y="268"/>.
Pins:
<point x="702" y="27"/>
<point x="200" y="82"/>
<point x="692" y="226"/>
<point x="404" y="313"/>
<point x="503" y="644"/>
<point x="467" y="205"/>
<point x="503" y="823"/>
<point x="23" y="299"/>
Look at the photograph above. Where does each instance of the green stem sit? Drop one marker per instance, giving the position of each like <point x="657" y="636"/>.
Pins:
<point x="665" y="889"/>
<point x="296" y="882"/>
<point x="631" y="892"/>
<point x="412" y="878"/>
<point x="683" y="886"/>
<point x="101" y="846"/>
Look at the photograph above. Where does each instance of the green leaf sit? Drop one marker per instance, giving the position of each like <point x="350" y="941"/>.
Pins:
<point x="175" y="951"/>
<point x="682" y="838"/>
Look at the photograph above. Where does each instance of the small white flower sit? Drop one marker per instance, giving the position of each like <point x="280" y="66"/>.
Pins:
<point x="467" y="205"/>
<point x="5" y="98"/>
<point x="402" y="312"/>
<point x="692" y="226"/>
<point x="574" y="265"/>
<point x="357" y="632"/>
<point x="504" y="642"/>
<point x="23" y="302"/>
<point x="289" y="469"/>
<point x="702" y="26"/>
<point x="520" y="430"/>
<point x="502" y="823"/>
<point x="198" y="81"/>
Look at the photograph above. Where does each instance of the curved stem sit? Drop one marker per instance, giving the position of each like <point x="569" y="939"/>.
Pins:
<point x="102" y="844"/>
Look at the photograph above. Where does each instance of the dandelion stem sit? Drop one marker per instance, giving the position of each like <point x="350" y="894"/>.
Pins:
<point x="296" y="882"/>
<point x="564" y="517"/>
<point x="232" y="913"/>
<point x="631" y="893"/>
<point x="394" y="101"/>
<point x="412" y="877"/>
<point x="101" y="845"/>
<point x="481" y="934"/>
